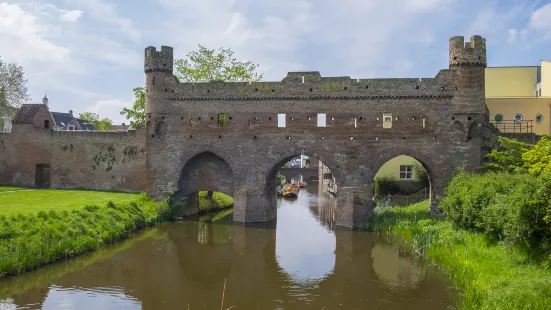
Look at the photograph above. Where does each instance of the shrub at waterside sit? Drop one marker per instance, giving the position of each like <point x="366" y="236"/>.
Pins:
<point x="29" y="240"/>
<point x="513" y="208"/>
<point x="489" y="275"/>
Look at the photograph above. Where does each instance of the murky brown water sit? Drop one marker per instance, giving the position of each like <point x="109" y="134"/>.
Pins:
<point x="299" y="262"/>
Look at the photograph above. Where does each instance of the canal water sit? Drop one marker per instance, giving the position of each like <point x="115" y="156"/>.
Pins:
<point x="301" y="261"/>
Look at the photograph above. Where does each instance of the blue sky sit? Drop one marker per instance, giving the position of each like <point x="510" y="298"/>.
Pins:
<point x="87" y="55"/>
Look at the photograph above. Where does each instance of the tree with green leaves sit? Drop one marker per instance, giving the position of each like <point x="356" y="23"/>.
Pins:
<point x="508" y="156"/>
<point x="136" y="114"/>
<point x="201" y="65"/>
<point x="13" y="86"/>
<point x="538" y="158"/>
<point x="94" y="119"/>
<point x="204" y="65"/>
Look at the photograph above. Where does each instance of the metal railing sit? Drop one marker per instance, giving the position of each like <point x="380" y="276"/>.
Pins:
<point x="513" y="126"/>
<point x="406" y="200"/>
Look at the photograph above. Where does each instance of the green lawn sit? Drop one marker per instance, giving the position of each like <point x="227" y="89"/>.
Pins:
<point x="45" y="226"/>
<point x="10" y="188"/>
<point x="37" y="200"/>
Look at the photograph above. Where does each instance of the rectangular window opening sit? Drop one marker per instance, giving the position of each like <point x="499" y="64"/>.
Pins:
<point x="281" y="118"/>
<point x="355" y="123"/>
<point x="387" y="120"/>
<point x="406" y="172"/>
<point x="321" y="120"/>
<point x="423" y="123"/>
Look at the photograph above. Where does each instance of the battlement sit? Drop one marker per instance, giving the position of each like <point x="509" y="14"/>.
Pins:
<point x="158" y="61"/>
<point x="313" y="85"/>
<point x="469" y="54"/>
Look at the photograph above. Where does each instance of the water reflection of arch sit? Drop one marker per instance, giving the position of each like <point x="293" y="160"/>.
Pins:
<point x="325" y="211"/>
<point x="201" y="260"/>
<point x="394" y="265"/>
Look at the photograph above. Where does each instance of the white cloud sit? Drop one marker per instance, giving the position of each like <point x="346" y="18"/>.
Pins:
<point x="111" y="109"/>
<point x="540" y="21"/>
<point x="107" y="13"/>
<point x="512" y="35"/>
<point x="70" y="16"/>
<point x="21" y="29"/>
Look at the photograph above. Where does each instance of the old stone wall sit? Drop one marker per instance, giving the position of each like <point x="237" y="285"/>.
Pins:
<point x="90" y="160"/>
<point x="367" y="122"/>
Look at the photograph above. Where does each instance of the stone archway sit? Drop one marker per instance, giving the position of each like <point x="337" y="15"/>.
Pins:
<point x="436" y="176"/>
<point x="205" y="171"/>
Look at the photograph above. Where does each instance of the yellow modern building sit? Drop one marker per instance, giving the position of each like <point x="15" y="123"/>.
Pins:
<point x="518" y="99"/>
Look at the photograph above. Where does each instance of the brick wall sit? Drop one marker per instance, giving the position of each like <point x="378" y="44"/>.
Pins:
<point x="92" y="160"/>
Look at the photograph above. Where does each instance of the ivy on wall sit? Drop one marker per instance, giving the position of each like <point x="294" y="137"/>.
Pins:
<point x="222" y="120"/>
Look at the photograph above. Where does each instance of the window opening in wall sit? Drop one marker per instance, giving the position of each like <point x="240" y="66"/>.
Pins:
<point x="498" y="118"/>
<point x="321" y="120"/>
<point x="303" y="79"/>
<point x="518" y="117"/>
<point x="281" y="120"/>
<point x="47" y="124"/>
<point x="539" y="118"/>
<point x="406" y="172"/>
<point x="355" y="122"/>
<point x="387" y="120"/>
<point x="71" y="127"/>
<point x="423" y="123"/>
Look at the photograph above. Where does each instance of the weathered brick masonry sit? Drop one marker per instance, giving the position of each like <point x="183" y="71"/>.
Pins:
<point x="435" y="120"/>
<point x="91" y="160"/>
<point x="440" y="121"/>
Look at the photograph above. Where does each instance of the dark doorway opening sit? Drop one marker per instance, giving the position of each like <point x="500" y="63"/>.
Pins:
<point x="42" y="176"/>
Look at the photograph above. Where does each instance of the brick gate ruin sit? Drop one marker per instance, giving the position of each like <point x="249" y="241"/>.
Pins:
<point x="233" y="137"/>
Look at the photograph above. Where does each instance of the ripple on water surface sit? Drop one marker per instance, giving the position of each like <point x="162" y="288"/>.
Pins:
<point x="301" y="261"/>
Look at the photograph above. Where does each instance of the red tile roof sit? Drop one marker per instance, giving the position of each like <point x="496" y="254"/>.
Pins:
<point x="121" y="128"/>
<point x="26" y="113"/>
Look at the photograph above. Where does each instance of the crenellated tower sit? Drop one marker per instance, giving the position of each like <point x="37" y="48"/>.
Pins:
<point x="468" y="63"/>
<point x="158" y="67"/>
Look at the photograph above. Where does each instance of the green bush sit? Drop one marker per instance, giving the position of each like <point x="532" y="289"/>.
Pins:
<point x="513" y="208"/>
<point x="384" y="186"/>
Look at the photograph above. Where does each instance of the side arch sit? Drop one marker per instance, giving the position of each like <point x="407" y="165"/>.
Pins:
<point x="435" y="180"/>
<point x="206" y="171"/>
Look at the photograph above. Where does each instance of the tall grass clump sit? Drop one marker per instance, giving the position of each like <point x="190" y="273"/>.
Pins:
<point x="513" y="209"/>
<point x="30" y="240"/>
<point x="488" y="274"/>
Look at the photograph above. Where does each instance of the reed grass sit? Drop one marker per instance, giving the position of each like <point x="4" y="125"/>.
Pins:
<point x="29" y="240"/>
<point x="489" y="274"/>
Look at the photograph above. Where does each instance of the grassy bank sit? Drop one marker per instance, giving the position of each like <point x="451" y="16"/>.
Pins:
<point x="489" y="274"/>
<point x="4" y="188"/>
<point x="43" y="277"/>
<point x="57" y="200"/>
<point x="219" y="201"/>
<point x="41" y="227"/>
